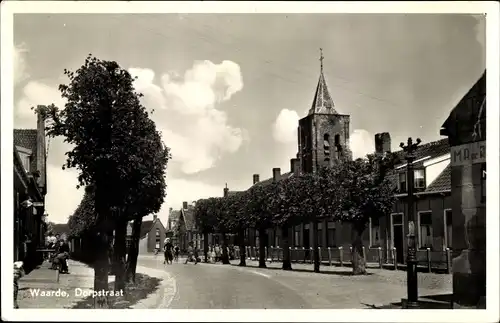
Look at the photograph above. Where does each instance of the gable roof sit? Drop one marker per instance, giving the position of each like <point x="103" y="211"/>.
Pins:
<point x="270" y="180"/>
<point x="231" y="193"/>
<point x="432" y="150"/>
<point x="188" y="216"/>
<point x="60" y="228"/>
<point x="442" y="182"/>
<point x="146" y="227"/>
<point x="26" y="138"/>
<point x="464" y="111"/>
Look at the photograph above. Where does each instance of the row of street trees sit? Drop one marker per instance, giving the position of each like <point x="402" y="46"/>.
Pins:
<point x="351" y="192"/>
<point x="121" y="160"/>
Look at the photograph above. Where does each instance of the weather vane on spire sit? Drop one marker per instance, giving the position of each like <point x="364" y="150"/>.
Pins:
<point x="321" y="58"/>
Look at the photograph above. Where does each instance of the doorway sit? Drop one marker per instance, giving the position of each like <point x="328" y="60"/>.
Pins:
<point x="398" y="236"/>
<point x="306" y="243"/>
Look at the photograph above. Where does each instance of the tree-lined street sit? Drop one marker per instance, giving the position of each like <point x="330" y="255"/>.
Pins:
<point x="231" y="287"/>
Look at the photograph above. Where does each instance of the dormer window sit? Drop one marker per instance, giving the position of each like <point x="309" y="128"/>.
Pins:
<point x="326" y="144"/>
<point x="402" y="184"/>
<point x="419" y="178"/>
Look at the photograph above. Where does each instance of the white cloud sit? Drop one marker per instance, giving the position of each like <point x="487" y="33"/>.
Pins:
<point x="62" y="196"/>
<point x="285" y="126"/>
<point x="197" y="132"/>
<point x="35" y="93"/>
<point x="20" y="70"/>
<point x="361" y="143"/>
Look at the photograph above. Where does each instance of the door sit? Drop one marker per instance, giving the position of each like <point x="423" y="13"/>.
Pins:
<point x="399" y="243"/>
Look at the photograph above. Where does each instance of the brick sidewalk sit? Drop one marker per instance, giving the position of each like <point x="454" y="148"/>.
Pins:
<point x="44" y="279"/>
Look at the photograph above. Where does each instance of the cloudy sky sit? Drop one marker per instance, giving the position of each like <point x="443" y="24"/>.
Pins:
<point x="228" y="89"/>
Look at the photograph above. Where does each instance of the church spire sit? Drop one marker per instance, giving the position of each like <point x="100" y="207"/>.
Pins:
<point x="322" y="103"/>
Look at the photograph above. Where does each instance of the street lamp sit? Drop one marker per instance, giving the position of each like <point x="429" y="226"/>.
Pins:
<point x="411" y="259"/>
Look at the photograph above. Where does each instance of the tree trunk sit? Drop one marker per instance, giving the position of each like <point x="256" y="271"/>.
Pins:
<point x="358" y="259"/>
<point x="241" y="245"/>
<point x="119" y="255"/>
<point x="205" y="245"/>
<point x="287" y="264"/>
<point x="101" y="269"/>
<point x="262" y="248"/>
<point x="134" y="250"/>
<point x="316" y="246"/>
<point x="225" y="256"/>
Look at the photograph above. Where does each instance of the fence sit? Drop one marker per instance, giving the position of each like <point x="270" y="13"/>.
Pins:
<point x="427" y="260"/>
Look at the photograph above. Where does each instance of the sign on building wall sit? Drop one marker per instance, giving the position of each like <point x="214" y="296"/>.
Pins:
<point x="473" y="153"/>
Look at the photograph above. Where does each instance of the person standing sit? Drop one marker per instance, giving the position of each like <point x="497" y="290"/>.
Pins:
<point x="177" y="251"/>
<point x="63" y="256"/>
<point x="168" y="251"/>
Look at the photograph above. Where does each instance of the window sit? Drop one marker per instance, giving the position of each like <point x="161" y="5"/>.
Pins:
<point x="448" y="221"/>
<point x="419" y="178"/>
<point x="320" y="234"/>
<point x="425" y="230"/>
<point x="374" y="225"/>
<point x="157" y="244"/>
<point x="402" y="185"/>
<point x="331" y="239"/>
<point x="157" y="232"/>
<point x="326" y="144"/>
<point x="483" y="182"/>
<point x="296" y="237"/>
<point x="25" y="159"/>
<point x="337" y="140"/>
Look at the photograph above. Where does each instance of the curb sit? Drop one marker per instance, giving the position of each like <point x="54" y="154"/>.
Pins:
<point x="165" y="293"/>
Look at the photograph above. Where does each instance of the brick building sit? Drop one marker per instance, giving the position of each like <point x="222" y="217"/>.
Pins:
<point x="30" y="188"/>
<point x="182" y="227"/>
<point x="152" y="235"/>
<point x="466" y="131"/>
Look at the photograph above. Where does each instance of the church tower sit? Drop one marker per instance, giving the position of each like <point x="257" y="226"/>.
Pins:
<point x="323" y="135"/>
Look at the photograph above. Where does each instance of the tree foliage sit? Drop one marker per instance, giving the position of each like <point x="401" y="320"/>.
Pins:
<point x="365" y="190"/>
<point x="114" y="140"/>
<point x="84" y="219"/>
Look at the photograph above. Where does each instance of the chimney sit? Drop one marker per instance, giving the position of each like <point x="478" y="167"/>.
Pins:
<point x="226" y="191"/>
<point x="382" y="143"/>
<point x="185" y="205"/>
<point x="295" y="166"/>
<point x="256" y="178"/>
<point x="276" y="174"/>
<point x="41" y="158"/>
<point x="155" y="216"/>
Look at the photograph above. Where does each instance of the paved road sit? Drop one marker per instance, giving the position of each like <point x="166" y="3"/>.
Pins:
<point x="205" y="286"/>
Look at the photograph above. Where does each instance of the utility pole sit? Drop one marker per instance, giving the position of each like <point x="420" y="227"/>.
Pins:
<point x="411" y="258"/>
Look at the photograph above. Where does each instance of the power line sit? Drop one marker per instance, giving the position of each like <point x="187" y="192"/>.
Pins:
<point x="211" y="40"/>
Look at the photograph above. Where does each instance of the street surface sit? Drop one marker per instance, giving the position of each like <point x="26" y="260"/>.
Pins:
<point x="206" y="286"/>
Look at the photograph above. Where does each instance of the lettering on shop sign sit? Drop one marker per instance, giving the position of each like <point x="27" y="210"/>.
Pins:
<point x="473" y="153"/>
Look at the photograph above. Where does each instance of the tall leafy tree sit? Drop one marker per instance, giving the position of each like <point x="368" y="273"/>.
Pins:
<point x="237" y="219"/>
<point x="261" y="206"/>
<point x="103" y="120"/>
<point x="318" y="196"/>
<point x="205" y="221"/>
<point x="218" y="206"/>
<point x="366" y="192"/>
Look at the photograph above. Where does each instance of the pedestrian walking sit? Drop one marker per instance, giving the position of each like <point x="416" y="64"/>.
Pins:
<point x="177" y="251"/>
<point x="217" y="253"/>
<point x="190" y="254"/>
<point x="168" y="251"/>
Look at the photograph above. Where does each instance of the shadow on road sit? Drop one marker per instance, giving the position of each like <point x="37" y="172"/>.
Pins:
<point x="336" y="273"/>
